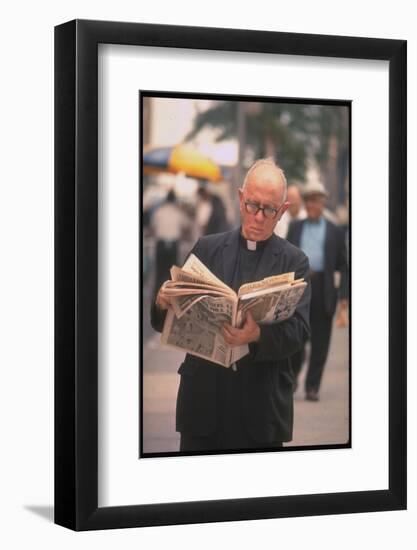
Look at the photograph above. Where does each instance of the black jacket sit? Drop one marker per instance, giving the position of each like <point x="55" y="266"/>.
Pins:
<point x="267" y="380"/>
<point x="334" y="260"/>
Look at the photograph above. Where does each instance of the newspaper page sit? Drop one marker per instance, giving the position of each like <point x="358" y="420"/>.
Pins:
<point x="184" y="295"/>
<point x="181" y="303"/>
<point x="268" y="282"/>
<point x="178" y="274"/>
<point x="194" y="266"/>
<point x="273" y="306"/>
<point x="182" y="287"/>
<point x="183" y="279"/>
<point x="198" y="331"/>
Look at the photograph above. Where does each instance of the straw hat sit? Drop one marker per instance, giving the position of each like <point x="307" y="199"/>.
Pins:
<point x="314" y="188"/>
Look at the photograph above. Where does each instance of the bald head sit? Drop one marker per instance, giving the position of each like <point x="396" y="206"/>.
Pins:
<point x="269" y="172"/>
<point x="295" y="200"/>
<point x="262" y="200"/>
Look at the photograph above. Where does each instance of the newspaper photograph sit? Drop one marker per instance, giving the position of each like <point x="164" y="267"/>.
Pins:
<point x="197" y="331"/>
<point x="181" y="304"/>
<point x="272" y="307"/>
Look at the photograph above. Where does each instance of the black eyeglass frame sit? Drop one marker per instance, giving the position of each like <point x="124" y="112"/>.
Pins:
<point x="263" y="209"/>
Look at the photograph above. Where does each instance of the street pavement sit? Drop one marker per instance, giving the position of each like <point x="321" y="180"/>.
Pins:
<point x="325" y="422"/>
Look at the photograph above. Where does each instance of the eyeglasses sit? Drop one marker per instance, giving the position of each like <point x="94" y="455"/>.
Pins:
<point x="268" y="211"/>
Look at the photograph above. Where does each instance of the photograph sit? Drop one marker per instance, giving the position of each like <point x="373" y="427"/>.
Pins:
<point x="245" y="273"/>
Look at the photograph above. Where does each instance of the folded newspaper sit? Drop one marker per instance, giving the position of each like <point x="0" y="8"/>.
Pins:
<point x="202" y="304"/>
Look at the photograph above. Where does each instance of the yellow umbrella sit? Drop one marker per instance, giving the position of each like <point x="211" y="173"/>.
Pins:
<point x="181" y="158"/>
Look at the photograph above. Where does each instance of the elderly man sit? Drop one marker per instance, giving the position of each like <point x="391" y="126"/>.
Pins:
<point x="325" y="247"/>
<point x="251" y="405"/>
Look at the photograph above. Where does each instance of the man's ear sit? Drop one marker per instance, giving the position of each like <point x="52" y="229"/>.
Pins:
<point x="240" y="195"/>
<point x="283" y="209"/>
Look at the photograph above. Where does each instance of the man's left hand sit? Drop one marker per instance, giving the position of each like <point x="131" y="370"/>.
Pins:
<point x="250" y="332"/>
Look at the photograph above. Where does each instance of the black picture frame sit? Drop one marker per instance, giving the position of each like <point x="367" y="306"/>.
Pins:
<point x="76" y="274"/>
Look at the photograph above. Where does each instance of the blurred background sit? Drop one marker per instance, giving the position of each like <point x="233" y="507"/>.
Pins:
<point x="195" y="154"/>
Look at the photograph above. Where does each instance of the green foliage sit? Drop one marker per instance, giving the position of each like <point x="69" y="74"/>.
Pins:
<point x="332" y="121"/>
<point x="292" y="133"/>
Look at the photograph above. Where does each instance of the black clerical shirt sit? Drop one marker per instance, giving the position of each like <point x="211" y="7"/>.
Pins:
<point x="231" y="431"/>
<point x="247" y="261"/>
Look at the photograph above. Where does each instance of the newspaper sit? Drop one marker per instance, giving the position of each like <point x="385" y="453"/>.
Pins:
<point x="202" y="304"/>
<point x="275" y="306"/>
<point x="197" y="331"/>
<point x="268" y="282"/>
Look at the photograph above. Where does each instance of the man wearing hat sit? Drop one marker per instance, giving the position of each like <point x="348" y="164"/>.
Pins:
<point x="324" y="245"/>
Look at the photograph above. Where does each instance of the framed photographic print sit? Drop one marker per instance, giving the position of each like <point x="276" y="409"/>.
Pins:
<point x="158" y="131"/>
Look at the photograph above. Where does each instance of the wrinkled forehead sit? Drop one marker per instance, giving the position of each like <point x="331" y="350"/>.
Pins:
<point x="264" y="185"/>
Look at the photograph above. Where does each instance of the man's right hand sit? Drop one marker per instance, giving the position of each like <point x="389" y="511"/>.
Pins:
<point x="162" y="300"/>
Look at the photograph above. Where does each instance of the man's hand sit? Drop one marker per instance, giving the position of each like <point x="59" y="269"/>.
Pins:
<point x="250" y="332"/>
<point x="162" y="300"/>
<point x="342" y="318"/>
<point x="343" y="303"/>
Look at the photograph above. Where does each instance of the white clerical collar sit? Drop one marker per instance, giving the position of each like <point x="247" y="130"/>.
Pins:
<point x="253" y="246"/>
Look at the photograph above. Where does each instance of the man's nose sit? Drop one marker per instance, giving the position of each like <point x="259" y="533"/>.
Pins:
<point x="259" y="216"/>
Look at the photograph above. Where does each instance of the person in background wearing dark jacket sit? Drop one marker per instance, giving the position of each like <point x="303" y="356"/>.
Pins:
<point x="211" y="213"/>
<point x="249" y="405"/>
<point x="324" y="244"/>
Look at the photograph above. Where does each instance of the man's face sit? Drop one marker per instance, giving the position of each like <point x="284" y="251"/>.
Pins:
<point x="314" y="205"/>
<point x="264" y="188"/>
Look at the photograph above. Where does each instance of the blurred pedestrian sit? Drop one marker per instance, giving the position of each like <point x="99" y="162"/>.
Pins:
<point x="296" y="211"/>
<point x="168" y="224"/>
<point x="324" y="244"/>
<point x="210" y="213"/>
